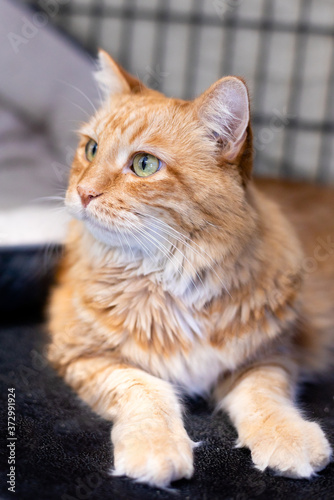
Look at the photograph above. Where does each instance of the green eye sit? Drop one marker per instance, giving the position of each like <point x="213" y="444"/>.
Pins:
<point x="145" y="164"/>
<point x="91" y="149"/>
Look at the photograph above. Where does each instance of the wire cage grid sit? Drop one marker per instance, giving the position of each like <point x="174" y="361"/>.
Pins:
<point x="284" y="50"/>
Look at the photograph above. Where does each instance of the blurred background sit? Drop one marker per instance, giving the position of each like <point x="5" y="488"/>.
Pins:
<point x="284" y="49"/>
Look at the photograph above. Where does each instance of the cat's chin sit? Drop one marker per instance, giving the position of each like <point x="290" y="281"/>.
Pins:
<point x="109" y="236"/>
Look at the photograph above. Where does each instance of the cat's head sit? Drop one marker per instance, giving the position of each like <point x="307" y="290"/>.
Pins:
<point x="149" y="168"/>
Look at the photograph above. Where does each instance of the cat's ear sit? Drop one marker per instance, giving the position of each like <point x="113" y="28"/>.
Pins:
<point x="224" y="110"/>
<point x="113" y="79"/>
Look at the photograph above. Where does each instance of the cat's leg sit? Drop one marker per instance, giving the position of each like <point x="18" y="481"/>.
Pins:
<point x="149" y="439"/>
<point x="260" y="404"/>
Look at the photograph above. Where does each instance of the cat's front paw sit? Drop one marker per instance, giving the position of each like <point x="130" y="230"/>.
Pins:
<point x="155" y="457"/>
<point x="296" y="449"/>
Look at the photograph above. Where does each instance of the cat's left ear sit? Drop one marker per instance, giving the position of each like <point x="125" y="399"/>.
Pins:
<point x="113" y="79"/>
<point x="224" y="110"/>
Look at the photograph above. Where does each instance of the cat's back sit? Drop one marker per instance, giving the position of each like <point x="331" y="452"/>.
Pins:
<point x="310" y="208"/>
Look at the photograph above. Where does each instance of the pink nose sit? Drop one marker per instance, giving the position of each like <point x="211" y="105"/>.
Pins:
<point x="87" y="194"/>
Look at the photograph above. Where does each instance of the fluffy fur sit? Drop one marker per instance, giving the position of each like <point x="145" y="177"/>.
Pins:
<point x="190" y="281"/>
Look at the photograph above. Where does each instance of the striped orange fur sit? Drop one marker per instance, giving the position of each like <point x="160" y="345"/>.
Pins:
<point x="190" y="280"/>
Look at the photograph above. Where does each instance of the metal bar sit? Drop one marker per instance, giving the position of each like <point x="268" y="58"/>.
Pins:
<point x="126" y="12"/>
<point x="159" y="46"/>
<point x="296" y="85"/>
<point x="96" y="17"/>
<point x="229" y="21"/>
<point x="326" y="127"/>
<point x="326" y="152"/>
<point x="193" y="49"/>
<point x="65" y="11"/>
<point x="261" y="69"/>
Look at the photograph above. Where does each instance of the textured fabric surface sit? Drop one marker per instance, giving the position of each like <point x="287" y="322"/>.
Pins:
<point x="63" y="449"/>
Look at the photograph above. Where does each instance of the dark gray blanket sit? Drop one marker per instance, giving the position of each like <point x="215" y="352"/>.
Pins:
<point x="63" y="450"/>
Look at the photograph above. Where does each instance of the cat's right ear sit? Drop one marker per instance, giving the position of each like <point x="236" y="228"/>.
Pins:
<point x="113" y="79"/>
<point x="224" y="111"/>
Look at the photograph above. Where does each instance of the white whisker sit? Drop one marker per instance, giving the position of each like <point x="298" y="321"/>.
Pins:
<point x="183" y="255"/>
<point x="119" y="234"/>
<point x="80" y="92"/>
<point x="182" y="239"/>
<point x="128" y="243"/>
<point x="79" y="107"/>
<point x="179" y="234"/>
<point x="147" y="249"/>
<point x="162" y="248"/>
<point x="48" y="198"/>
<point x="135" y="228"/>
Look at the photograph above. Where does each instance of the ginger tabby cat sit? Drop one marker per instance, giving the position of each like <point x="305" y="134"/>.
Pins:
<point x="181" y="276"/>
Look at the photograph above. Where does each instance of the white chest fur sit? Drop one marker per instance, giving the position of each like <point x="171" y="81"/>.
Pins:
<point x="194" y="372"/>
<point x="159" y="332"/>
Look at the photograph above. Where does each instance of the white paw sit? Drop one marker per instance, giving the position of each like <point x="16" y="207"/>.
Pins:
<point x="296" y="449"/>
<point x="156" y="457"/>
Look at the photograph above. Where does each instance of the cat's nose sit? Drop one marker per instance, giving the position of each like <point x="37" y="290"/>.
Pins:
<point x="87" y="194"/>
